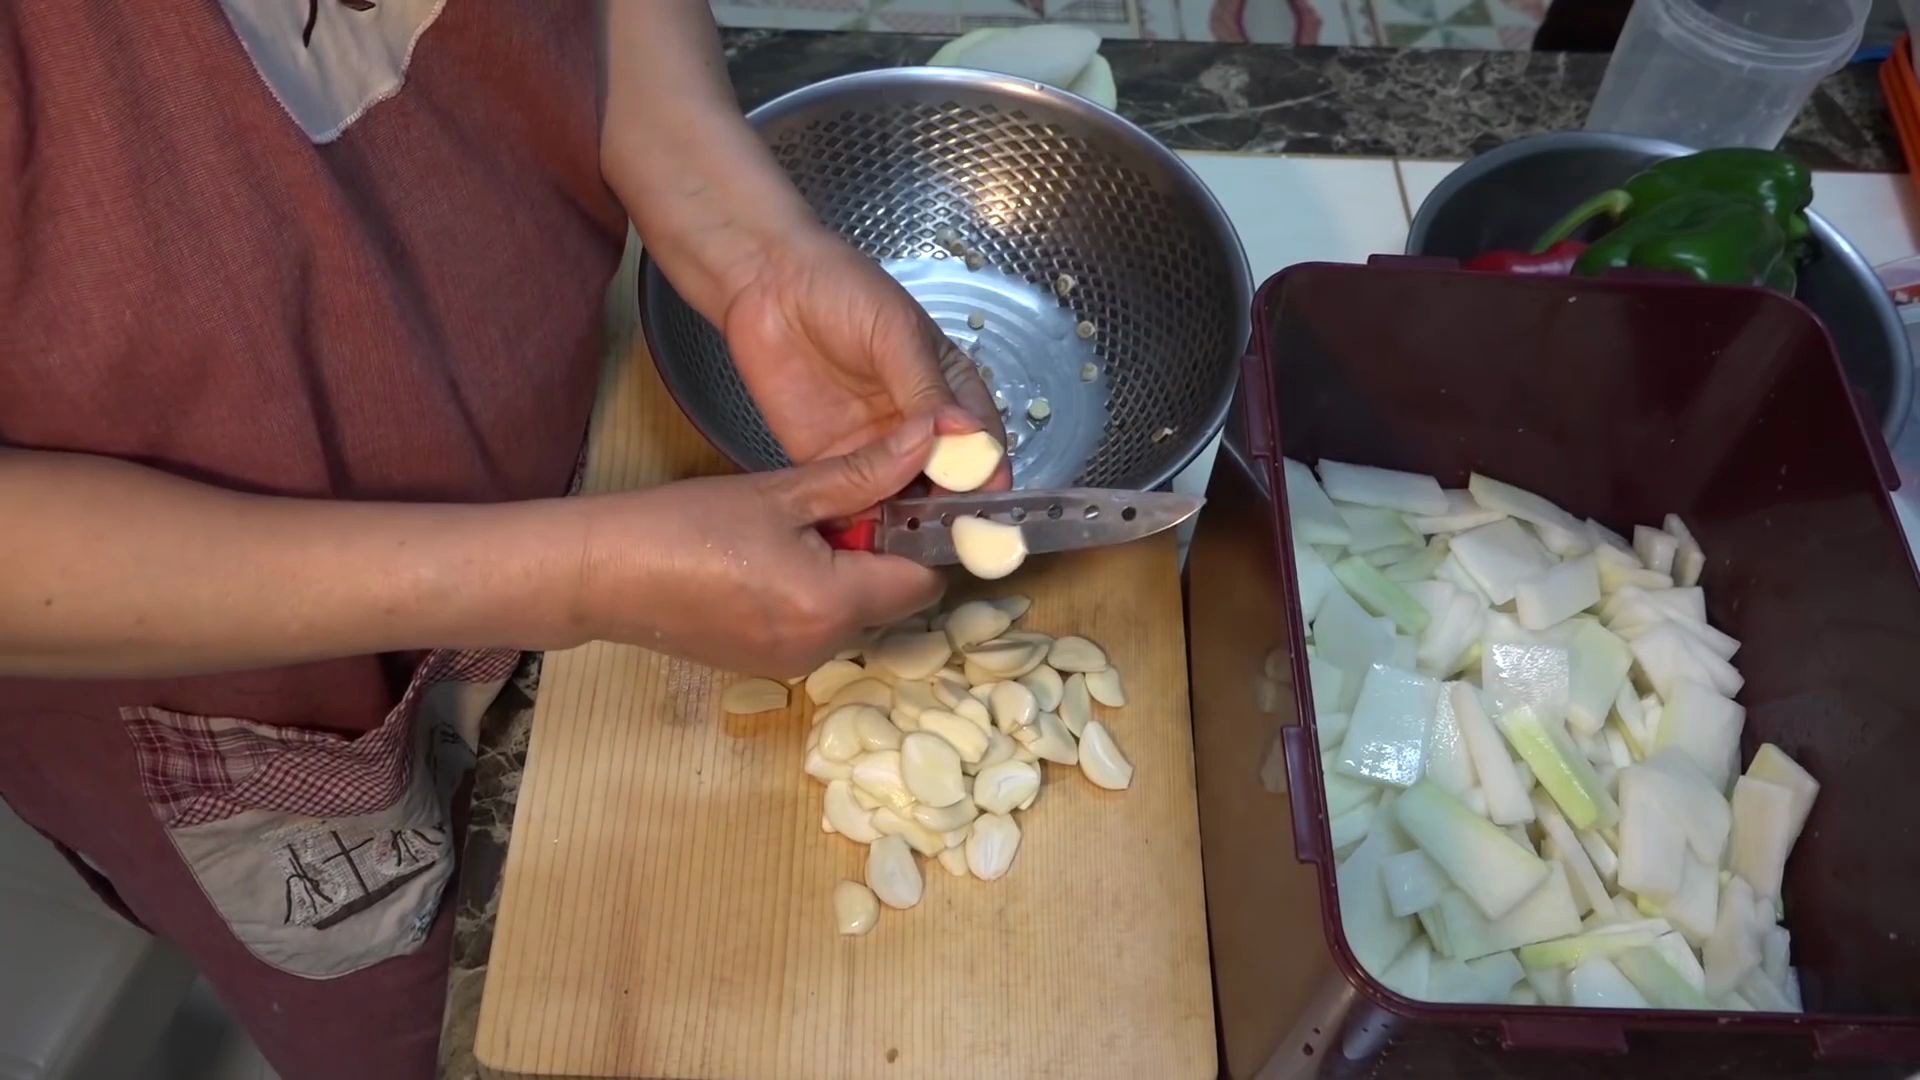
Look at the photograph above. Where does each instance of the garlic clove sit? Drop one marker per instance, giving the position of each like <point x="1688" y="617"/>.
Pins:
<point x="963" y="735"/>
<point x="826" y="825"/>
<point x="1074" y="653"/>
<point x="1046" y="686"/>
<point x="944" y="819"/>
<point x="1076" y="704"/>
<point x="855" y="909"/>
<point x="1015" y="606"/>
<point x="890" y="822"/>
<point x="848" y="817"/>
<point x="876" y="732"/>
<point x="950" y="690"/>
<point x="931" y="768"/>
<point x="989" y="549"/>
<point x="878" y="774"/>
<point x="749" y="696"/>
<point x="892" y="874"/>
<point x="954" y="838"/>
<point x="1102" y="761"/>
<point x="866" y="801"/>
<point x="1006" y="658"/>
<point x="983" y="691"/>
<point x="964" y="462"/>
<point x="1056" y="743"/>
<point x="1024" y="755"/>
<point x="978" y="675"/>
<point x="953" y="861"/>
<point x="1027" y="803"/>
<point x="914" y="698"/>
<point x="994" y="841"/>
<point x="1002" y="787"/>
<point x="899" y="718"/>
<point x="839" y="739"/>
<point x="830" y="678"/>
<point x="825" y="769"/>
<point x="1000" y="747"/>
<point x="1013" y="706"/>
<point x="974" y="622"/>
<point x="862" y="692"/>
<point x="913" y="655"/>
<point x="975" y="713"/>
<point x="1104" y="687"/>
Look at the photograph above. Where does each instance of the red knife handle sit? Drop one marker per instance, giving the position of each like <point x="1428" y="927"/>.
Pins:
<point x="856" y="536"/>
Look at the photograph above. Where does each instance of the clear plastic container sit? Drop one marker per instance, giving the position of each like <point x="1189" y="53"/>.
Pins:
<point x="1710" y="73"/>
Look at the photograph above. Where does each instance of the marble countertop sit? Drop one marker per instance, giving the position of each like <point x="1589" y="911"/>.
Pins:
<point x="1440" y="105"/>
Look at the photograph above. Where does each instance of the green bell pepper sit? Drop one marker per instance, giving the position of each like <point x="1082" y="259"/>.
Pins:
<point x="1704" y="235"/>
<point x="1781" y="185"/>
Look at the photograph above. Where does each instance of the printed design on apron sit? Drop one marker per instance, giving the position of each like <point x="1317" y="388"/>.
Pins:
<point x="329" y="61"/>
<point x="323" y="854"/>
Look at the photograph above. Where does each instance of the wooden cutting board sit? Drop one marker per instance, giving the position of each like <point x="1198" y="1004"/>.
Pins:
<point x="666" y="904"/>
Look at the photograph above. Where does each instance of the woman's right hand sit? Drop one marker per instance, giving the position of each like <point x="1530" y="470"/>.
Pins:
<point x="731" y="571"/>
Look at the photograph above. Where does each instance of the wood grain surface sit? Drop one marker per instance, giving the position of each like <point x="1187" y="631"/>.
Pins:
<point x="666" y="905"/>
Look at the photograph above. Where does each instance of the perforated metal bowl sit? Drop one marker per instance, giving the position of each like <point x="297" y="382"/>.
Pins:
<point x="989" y="197"/>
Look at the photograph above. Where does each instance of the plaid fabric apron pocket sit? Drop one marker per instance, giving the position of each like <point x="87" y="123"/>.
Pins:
<point x="323" y="854"/>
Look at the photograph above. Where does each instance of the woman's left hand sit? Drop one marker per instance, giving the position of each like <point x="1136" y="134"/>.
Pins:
<point x="837" y="353"/>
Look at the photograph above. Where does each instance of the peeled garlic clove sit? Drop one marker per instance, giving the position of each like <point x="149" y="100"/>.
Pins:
<point x="855" y="909"/>
<point x="813" y="735"/>
<point x="953" y="861"/>
<point x="830" y="678"/>
<point x="1032" y="637"/>
<point x="1101" y="760"/>
<point x="825" y="769"/>
<point x="1056" y="743"/>
<point x="914" y="698"/>
<point x="749" y="696"/>
<point x="976" y="674"/>
<point x="866" y="801"/>
<point x="1104" y="687"/>
<point x="892" y="874"/>
<point x="994" y="841"/>
<point x="913" y="655"/>
<point x="964" y="462"/>
<point x="983" y="691"/>
<point x="1074" y="653"/>
<point x="931" y="767"/>
<point x="878" y="774"/>
<point x="1006" y="658"/>
<point x="863" y="692"/>
<point x="945" y="819"/>
<point x="950" y="690"/>
<point x="1015" y="606"/>
<point x="876" y="732"/>
<point x="848" y="817"/>
<point x="1001" y="788"/>
<point x="1024" y="755"/>
<point x="891" y="822"/>
<point x="962" y="734"/>
<point x="974" y="622"/>
<point x="1046" y="686"/>
<point x="1076" y="704"/>
<point x="1013" y="706"/>
<point x="1000" y="747"/>
<point x="1027" y="803"/>
<point x="975" y="713"/>
<point x="900" y="719"/>
<point x="826" y="825"/>
<point x="989" y="549"/>
<point x="839" y="739"/>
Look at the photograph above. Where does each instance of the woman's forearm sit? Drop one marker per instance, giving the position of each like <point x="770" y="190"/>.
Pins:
<point x="703" y="191"/>
<point x="113" y="569"/>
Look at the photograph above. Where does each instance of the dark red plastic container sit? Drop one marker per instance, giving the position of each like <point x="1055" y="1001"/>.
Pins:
<point x="1628" y="399"/>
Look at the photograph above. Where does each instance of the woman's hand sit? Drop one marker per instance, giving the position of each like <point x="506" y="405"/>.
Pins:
<point x="731" y="572"/>
<point x="836" y="353"/>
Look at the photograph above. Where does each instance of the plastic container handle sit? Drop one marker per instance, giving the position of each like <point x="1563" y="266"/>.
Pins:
<point x="1300" y="788"/>
<point x="1256" y="411"/>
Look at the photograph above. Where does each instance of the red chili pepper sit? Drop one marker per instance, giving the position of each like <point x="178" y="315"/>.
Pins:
<point x="1558" y="259"/>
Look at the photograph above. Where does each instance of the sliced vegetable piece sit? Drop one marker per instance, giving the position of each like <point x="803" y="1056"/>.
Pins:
<point x="1346" y="637"/>
<point x="1688" y="561"/>
<point x="1482" y="861"/>
<point x="1371" y="528"/>
<point x="1413" y="882"/>
<point x="1365" y="485"/>
<point x="1379" y="595"/>
<point x="1558" y="593"/>
<point x="1705" y="726"/>
<point x="1499" y="557"/>
<point x="1545" y="914"/>
<point x="1374" y="933"/>
<point x="1561" y="769"/>
<point x="1657" y="980"/>
<point x="1763" y="833"/>
<point x="1506" y="797"/>
<point x="1386" y="739"/>
<point x="1655" y="549"/>
<point x="1449" y="761"/>
<point x="1311" y="513"/>
<point x="1407" y="975"/>
<point x="1773" y="765"/>
<point x="1598" y="662"/>
<point x="1596" y="984"/>
<point x="1521" y="503"/>
<point x="1733" y="950"/>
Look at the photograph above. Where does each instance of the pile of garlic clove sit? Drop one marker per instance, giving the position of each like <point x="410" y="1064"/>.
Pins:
<point x="932" y="737"/>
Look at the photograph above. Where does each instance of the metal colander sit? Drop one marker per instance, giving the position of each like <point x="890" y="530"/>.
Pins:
<point x="1092" y="277"/>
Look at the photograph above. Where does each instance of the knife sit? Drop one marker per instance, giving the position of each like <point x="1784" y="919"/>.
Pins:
<point x="1065" y="519"/>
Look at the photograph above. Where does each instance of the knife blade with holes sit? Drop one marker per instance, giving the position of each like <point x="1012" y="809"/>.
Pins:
<point x="1066" y="519"/>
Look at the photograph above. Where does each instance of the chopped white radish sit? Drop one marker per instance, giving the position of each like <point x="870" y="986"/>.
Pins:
<point x="1499" y="557"/>
<point x="1658" y="981"/>
<point x="1365" y="485"/>
<point x="1772" y="764"/>
<point x="1374" y="933"/>
<point x="1421" y="565"/>
<point x="1565" y="543"/>
<point x="1379" y="595"/>
<point x="1776" y="945"/>
<point x="1705" y="726"/>
<point x="1521" y="503"/>
<point x="1662" y="656"/>
<point x="1497" y="975"/>
<point x="1449" y="762"/>
<point x="1655" y="548"/>
<point x="1560" y="768"/>
<point x="1408" y="974"/>
<point x="1309" y="510"/>
<point x="964" y="462"/>
<point x="1546" y="913"/>
<point x="1412" y="881"/>
<point x="989" y="549"/>
<point x="1372" y="528"/>
<point x="1694" y="908"/>
<point x="1386" y="740"/>
<point x="1381" y="558"/>
<point x="1347" y="638"/>
<point x="1451" y="980"/>
<point x="1314" y="578"/>
<point x="1679" y="953"/>
<point x="1558" y="593"/>
<point x="1606" y="862"/>
<point x="1763" y="833"/>
<point x="1605" y="537"/>
<point x="1596" y="984"/>
<point x="1525" y="674"/>
<point x="1451" y="572"/>
<point x="1346" y="830"/>
<point x="1598" y="664"/>
<point x="1624" y="571"/>
<point x="1653" y="846"/>
<point x="1589" y="891"/>
<point x="1609" y="940"/>
<point x="1477" y="857"/>
<point x="1344" y="793"/>
<point x="1689" y="562"/>
<point x="1332" y="727"/>
<point x="1505" y="795"/>
<point x="1733" y="950"/>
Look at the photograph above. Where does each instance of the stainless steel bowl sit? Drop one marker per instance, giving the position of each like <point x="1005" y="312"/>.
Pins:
<point x="985" y="195"/>
<point x="1508" y="196"/>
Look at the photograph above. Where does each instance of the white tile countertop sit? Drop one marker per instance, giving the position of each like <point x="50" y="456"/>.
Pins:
<point x="1304" y="209"/>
